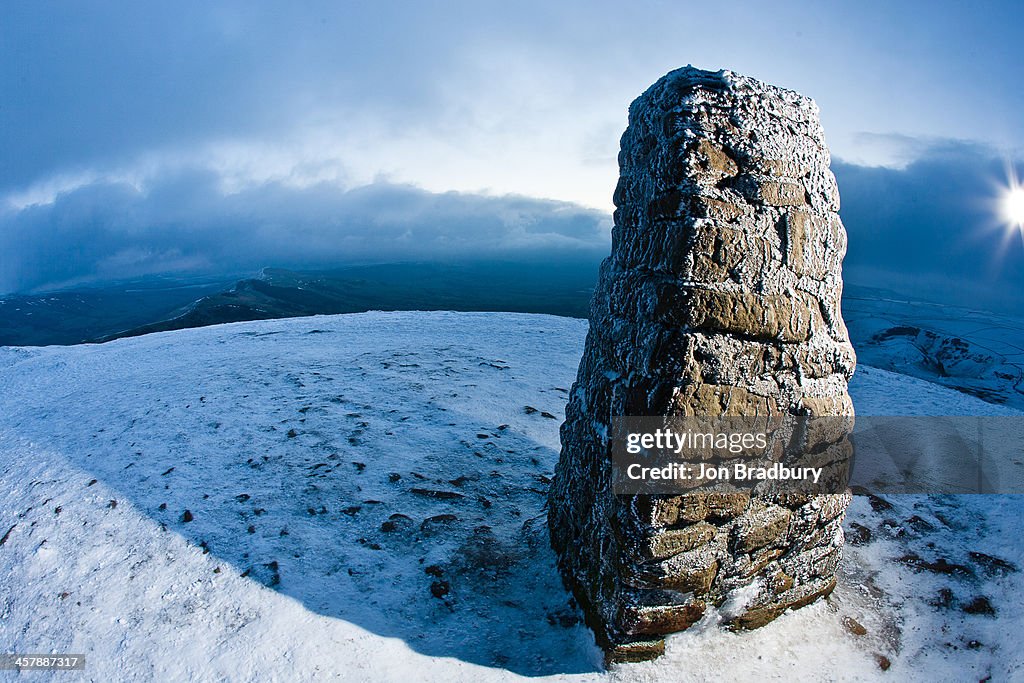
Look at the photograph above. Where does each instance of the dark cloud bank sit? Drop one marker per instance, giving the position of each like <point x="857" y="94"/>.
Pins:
<point x="185" y="223"/>
<point x="930" y="229"/>
<point x="933" y="229"/>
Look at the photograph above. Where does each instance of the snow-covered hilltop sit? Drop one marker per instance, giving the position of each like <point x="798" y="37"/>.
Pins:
<point x="361" y="497"/>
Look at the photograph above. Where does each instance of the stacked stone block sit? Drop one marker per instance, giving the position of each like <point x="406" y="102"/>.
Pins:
<point x="721" y="296"/>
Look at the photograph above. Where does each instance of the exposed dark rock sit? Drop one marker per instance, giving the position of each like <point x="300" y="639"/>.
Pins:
<point x="920" y="525"/>
<point x="396" y="522"/>
<point x="431" y="493"/>
<point x="939" y="566"/>
<point x="980" y="605"/>
<point x="436" y="520"/>
<point x="993" y="566"/>
<point x="879" y="504"/>
<point x="854" y="626"/>
<point x="859" y="534"/>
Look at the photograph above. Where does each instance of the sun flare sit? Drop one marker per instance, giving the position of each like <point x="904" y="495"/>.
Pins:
<point x="1013" y="206"/>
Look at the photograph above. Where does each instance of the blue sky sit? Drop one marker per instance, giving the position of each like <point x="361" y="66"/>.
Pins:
<point x="146" y="136"/>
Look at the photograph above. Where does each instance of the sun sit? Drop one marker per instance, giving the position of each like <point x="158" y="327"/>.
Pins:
<point x="1012" y="206"/>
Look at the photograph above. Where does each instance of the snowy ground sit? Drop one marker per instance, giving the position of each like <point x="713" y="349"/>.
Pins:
<point x="971" y="350"/>
<point x="361" y="497"/>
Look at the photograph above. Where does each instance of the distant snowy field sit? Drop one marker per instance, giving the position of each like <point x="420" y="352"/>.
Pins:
<point x="974" y="351"/>
<point x="360" y="497"/>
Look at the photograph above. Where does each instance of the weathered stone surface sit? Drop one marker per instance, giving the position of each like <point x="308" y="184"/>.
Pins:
<point x="792" y="598"/>
<point x="762" y="525"/>
<point x="720" y="297"/>
<point x="638" y="650"/>
<point x="674" y="541"/>
<point x="645" y="620"/>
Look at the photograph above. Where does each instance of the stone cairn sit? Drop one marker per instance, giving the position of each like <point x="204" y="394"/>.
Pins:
<point x="720" y="298"/>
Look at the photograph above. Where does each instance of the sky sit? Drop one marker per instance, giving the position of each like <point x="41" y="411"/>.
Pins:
<point x="140" y="137"/>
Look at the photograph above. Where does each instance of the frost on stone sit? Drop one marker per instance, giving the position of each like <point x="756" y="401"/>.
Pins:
<point x="721" y="296"/>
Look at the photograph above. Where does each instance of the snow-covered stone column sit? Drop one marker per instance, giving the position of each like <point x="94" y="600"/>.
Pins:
<point x="720" y="297"/>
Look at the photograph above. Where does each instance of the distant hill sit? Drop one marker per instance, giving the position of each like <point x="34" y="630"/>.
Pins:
<point x="102" y="311"/>
<point x="156" y="304"/>
<point x="558" y="288"/>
